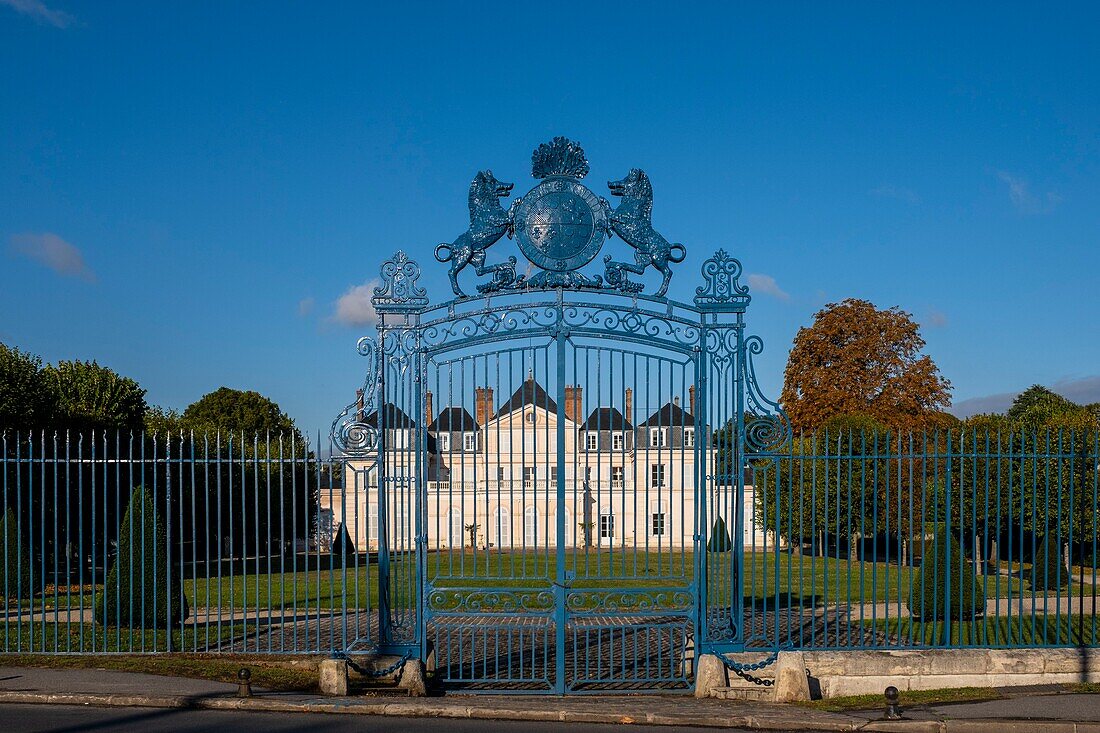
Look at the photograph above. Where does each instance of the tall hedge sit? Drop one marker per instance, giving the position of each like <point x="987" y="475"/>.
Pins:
<point x="1049" y="572"/>
<point x="16" y="561"/>
<point x="929" y="600"/>
<point x="137" y="592"/>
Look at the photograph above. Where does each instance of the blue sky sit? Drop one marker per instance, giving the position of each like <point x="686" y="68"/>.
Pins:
<point x="187" y="190"/>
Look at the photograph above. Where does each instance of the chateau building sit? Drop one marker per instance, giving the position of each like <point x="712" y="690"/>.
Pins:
<point x="492" y="476"/>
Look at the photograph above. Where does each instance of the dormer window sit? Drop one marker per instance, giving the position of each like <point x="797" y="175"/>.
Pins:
<point x="618" y="440"/>
<point x="656" y="438"/>
<point x="591" y="441"/>
<point x="444" y="441"/>
<point x="469" y="441"/>
<point x="689" y="437"/>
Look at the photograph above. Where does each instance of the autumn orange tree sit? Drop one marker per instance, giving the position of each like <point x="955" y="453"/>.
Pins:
<point x="858" y="360"/>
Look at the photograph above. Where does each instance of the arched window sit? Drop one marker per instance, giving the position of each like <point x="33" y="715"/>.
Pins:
<point x="532" y="534"/>
<point x="502" y="527"/>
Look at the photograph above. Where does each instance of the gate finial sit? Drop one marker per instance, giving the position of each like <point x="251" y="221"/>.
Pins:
<point x="399" y="290"/>
<point x="722" y="291"/>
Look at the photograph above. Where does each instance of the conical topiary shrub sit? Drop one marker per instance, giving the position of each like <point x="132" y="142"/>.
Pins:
<point x="719" y="537"/>
<point x="342" y="546"/>
<point x="1049" y="571"/>
<point x="137" y="592"/>
<point x="16" y="563"/>
<point x="929" y="596"/>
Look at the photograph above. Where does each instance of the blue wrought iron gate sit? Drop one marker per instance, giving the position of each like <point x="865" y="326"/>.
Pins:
<point x="553" y="469"/>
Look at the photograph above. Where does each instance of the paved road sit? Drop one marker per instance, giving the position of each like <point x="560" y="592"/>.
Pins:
<point x="71" y="718"/>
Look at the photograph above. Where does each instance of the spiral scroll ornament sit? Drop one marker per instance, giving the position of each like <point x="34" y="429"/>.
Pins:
<point x="351" y="434"/>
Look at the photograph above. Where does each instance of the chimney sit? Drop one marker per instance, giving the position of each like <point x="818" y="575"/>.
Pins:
<point x="628" y="405"/>
<point x="573" y="402"/>
<point x="483" y="405"/>
<point x="429" y="414"/>
<point x="691" y="400"/>
<point x="676" y="400"/>
<point x="359" y="406"/>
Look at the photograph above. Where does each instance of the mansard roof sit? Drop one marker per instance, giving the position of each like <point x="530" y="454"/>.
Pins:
<point x="393" y="416"/>
<point x="669" y="416"/>
<point x="529" y="393"/>
<point x="454" y="420"/>
<point x="606" y="418"/>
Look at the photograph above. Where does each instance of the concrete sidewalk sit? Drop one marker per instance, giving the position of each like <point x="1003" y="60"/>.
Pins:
<point x="1045" y="714"/>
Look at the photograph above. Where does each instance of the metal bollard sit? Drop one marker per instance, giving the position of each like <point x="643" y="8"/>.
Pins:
<point x="893" y="711"/>
<point x="244" y="686"/>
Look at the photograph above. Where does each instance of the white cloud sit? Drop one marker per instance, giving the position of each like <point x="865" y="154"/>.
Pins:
<point x="889" y="191"/>
<point x="306" y="306"/>
<point x="38" y="10"/>
<point x="766" y="284"/>
<point x="52" y="251"/>
<point x="935" y="319"/>
<point x="1019" y="192"/>
<point x="354" y="307"/>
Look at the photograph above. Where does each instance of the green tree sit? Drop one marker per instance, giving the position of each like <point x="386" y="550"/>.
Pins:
<point x="27" y="398"/>
<point x="1037" y="405"/>
<point x="16" y="566"/>
<point x="93" y="397"/>
<point x="858" y="360"/>
<point x="235" y="410"/>
<point x="137" y="592"/>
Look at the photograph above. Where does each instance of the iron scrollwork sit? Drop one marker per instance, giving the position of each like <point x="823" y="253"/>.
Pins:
<point x="350" y="434"/>
<point x="399" y="289"/>
<point x="722" y="290"/>
<point x="767" y="427"/>
<point x="490" y="601"/>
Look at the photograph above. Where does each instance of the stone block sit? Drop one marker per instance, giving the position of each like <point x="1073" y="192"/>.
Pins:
<point x="791" y="681"/>
<point x="334" y="677"/>
<point x="710" y="676"/>
<point x="412" y="678"/>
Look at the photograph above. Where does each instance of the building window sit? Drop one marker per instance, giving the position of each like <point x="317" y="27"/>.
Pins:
<point x="500" y="473"/>
<point x="553" y="477"/>
<point x="689" y="437"/>
<point x="607" y="525"/>
<point x="616" y="477"/>
<point x="457" y="537"/>
<point x="372" y="522"/>
<point x="502" y="527"/>
<point x="528" y="477"/>
<point x="591" y="441"/>
<point x="469" y="441"/>
<point x="618" y="440"/>
<point x="656" y="438"/>
<point x="657" y="523"/>
<point x="657" y="475"/>
<point x="444" y="441"/>
<point x="531" y="526"/>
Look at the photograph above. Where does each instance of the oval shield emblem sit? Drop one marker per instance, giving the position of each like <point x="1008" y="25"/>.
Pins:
<point x="560" y="224"/>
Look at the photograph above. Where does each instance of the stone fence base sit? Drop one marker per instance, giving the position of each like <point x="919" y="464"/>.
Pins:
<point x="844" y="673"/>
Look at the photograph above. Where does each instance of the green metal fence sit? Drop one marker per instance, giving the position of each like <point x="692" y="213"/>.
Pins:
<point x="949" y="538"/>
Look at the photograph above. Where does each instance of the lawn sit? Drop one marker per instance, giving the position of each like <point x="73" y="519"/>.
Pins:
<point x="1009" y="631"/>
<point x="802" y="580"/>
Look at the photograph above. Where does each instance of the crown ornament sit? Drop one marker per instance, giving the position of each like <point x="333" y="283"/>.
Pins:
<point x="559" y="157"/>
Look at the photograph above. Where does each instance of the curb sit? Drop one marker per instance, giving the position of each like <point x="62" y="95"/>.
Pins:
<point x="427" y="709"/>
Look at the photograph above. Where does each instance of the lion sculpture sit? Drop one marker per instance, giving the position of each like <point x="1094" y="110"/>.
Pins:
<point x="488" y="223"/>
<point x="631" y="220"/>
